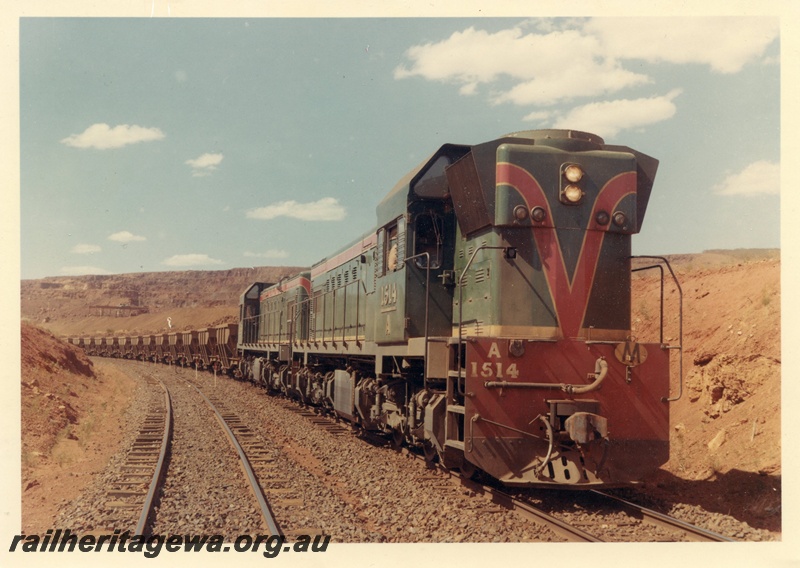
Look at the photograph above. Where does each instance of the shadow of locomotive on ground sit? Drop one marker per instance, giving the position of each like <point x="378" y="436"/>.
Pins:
<point x="748" y="497"/>
<point x="751" y="497"/>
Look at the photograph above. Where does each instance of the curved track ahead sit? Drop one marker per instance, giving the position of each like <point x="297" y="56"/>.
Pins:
<point x="229" y="423"/>
<point x="140" y="476"/>
<point x="158" y="474"/>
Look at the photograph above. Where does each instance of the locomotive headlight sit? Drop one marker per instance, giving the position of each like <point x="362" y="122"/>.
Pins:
<point x="572" y="193"/>
<point x="538" y="214"/>
<point x="520" y="212"/>
<point x="620" y="218"/>
<point x="573" y="173"/>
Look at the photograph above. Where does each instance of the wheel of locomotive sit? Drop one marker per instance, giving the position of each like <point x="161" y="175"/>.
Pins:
<point x="468" y="470"/>
<point x="396" y="439"/>
<point x="430" y="454"/>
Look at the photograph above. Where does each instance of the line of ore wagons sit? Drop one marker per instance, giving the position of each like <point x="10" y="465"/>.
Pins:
<point x="209" y="348"/>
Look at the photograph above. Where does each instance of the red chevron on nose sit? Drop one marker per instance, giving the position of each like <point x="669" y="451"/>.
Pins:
<point x="570" y="294"/>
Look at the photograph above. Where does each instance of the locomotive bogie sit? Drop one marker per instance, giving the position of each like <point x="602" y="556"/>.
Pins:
<point x="341" y="393"/>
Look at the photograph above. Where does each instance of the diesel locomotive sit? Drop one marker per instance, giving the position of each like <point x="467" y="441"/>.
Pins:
<point x="486" y="320"/>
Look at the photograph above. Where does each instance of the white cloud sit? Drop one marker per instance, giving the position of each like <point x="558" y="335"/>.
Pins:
<point x="205" y="164"/>
<point x="81" y="270"/>
<point x="326" y="209"/>
<point x="725" y="44"/>
<point x="610" y="117"/>
<point x="190" y="260"/>
<point x="537" y="116"/>
<point x="477" y="56"/>
<point x="85" y="249"/>
<point x="125" y="237"/>
<point x="103" y="137"/>
<point x="552" y="61"/>
<point x="544" y="66"/>
<point x="271" y="253"/>
<point x="759" y="178"/>
<point x="585" y="79"/>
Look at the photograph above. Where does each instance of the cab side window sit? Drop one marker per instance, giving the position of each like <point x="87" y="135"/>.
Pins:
<point x="391" y="247"/>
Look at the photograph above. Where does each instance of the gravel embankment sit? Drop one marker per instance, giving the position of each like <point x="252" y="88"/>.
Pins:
<point x="88" y="513"/>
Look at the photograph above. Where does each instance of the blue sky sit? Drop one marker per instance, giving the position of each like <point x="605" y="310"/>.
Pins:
<point x="181" y="144"/>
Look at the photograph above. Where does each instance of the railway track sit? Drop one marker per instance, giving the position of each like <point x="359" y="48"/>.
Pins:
<point x="563" y="529"/>
<point x="136" y="486"/>
<point x="271" y="486"/>
<point x="680" y="530"/>
<point x="250" y="451"/>
<point x="689" y="531"/>
<point x="321" y="421"/>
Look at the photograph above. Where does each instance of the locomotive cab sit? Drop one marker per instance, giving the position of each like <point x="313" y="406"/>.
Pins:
<point x="415" y="251"/>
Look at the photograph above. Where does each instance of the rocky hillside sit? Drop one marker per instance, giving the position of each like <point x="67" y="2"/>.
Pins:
<point x="70" y="411"/>
<point x="134" y="303"/>
<point x="726" y="426"/>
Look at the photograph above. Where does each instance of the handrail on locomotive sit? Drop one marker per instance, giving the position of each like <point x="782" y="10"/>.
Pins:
<point x="679" y="346"/>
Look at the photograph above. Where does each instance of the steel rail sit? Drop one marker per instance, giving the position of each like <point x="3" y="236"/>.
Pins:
<point x="562" y="528"/>
<point x="572" y="533"/>
<point x="692" y="532"/>
<point x="147" y="508"/>
<point x="499" y="497"/>
<point x="266" y="512"/>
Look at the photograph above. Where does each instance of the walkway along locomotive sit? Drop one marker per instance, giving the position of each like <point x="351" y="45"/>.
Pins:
<point x="486" y="319"/>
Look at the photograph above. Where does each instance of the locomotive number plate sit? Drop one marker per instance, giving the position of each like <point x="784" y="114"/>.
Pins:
<point x="498" y="368"/>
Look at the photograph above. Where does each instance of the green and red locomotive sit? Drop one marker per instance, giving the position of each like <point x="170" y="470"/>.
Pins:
<point x="487" y="318"/>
